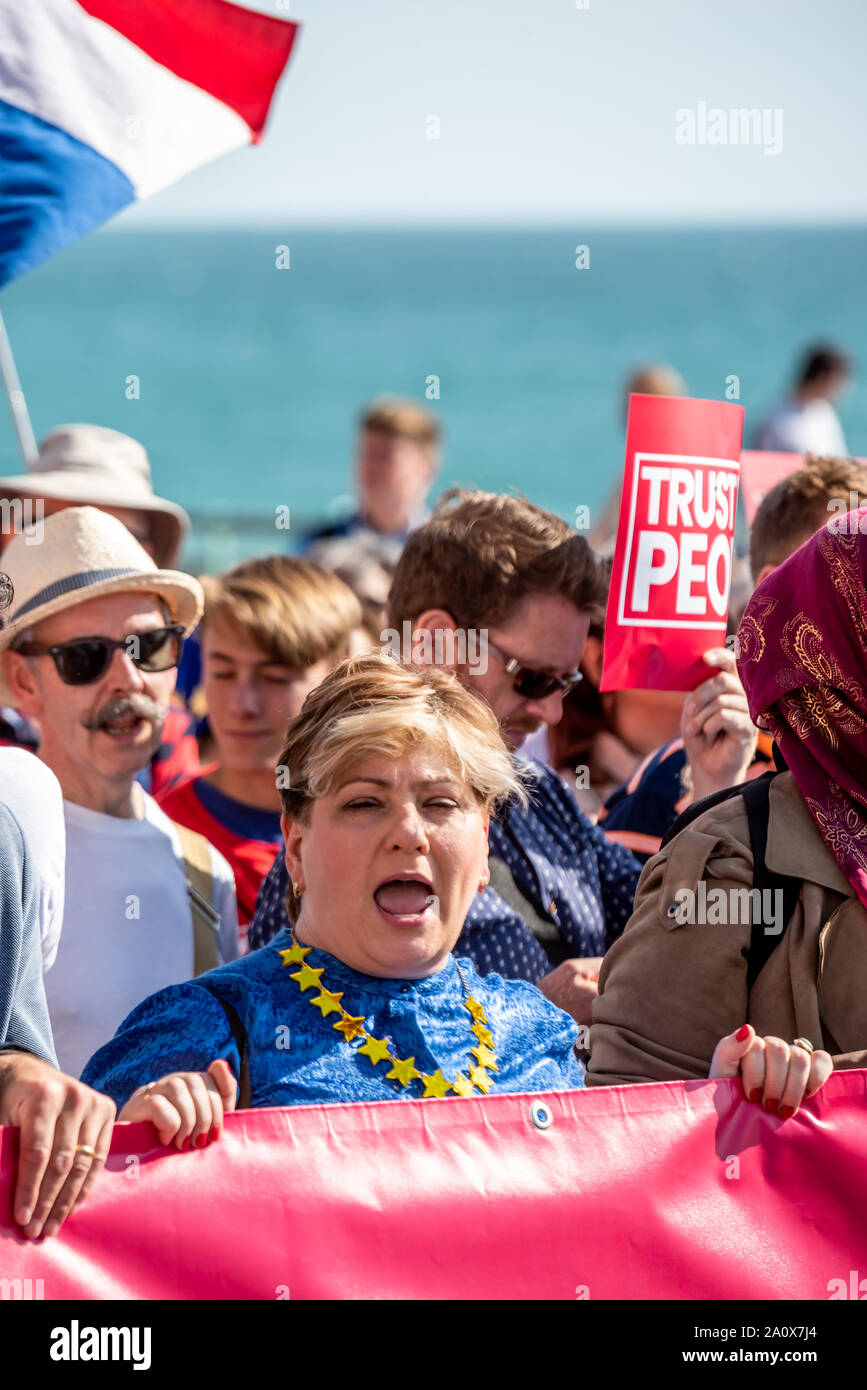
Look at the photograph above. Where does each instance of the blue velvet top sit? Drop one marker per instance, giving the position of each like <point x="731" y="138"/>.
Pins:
<point x="297" y="1057"/>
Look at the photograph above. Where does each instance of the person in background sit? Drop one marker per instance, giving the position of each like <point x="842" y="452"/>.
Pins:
<point x="520" y="588"/>
<point x="654" y="380"/>
<point x="90" y="649"/>
<point x="90" y="465"/>
<point x="806" y="422"/>
<point x="398" y="455"/>
<point x="272" y="629"/>
<point x="397" y="461"/>
<point x="713" y="750"/>
<point x="65" y="1126"/>
<point x="366" y="565"/>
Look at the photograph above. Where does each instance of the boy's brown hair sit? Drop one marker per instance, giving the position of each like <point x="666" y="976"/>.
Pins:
<point x="797" y="506"/>
<point x="481" y="553"/>
<point x="402" y="419"/>
<point x="294" y="611"/>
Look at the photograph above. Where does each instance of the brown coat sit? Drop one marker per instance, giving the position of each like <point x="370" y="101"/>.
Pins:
<point x="669" y="991"/>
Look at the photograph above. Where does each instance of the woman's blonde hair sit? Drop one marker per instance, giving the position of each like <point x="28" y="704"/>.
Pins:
<point x="373" y="705"/>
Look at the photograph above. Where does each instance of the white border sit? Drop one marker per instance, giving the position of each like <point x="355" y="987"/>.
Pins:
<point x="733" y="466"/>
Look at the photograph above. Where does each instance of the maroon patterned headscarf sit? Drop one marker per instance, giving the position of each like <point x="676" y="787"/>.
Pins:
<point x="803" y="663"/>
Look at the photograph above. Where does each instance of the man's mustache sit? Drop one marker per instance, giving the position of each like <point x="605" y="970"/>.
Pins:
<point x="122" y="705"/>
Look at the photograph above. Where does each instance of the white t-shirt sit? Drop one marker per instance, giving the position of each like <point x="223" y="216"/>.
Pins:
<point x="32" y="792"/>
<point x="127" y="928"/>
<point x="811" y="427"/>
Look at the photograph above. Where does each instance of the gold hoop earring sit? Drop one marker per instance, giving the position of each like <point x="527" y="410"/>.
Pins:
<point x="483" y="882"/>
<point x="296" y="891"/>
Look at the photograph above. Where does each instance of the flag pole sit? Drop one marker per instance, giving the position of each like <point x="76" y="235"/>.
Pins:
<point x="15" y="400"/>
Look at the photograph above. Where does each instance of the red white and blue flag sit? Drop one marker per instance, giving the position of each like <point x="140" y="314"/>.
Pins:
<point x="103" y="102"/>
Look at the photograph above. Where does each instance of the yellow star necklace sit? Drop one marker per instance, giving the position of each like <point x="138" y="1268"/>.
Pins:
<point x="403" y="1069"/>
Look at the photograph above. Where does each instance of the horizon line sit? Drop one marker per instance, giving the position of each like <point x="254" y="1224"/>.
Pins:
<point x="125" y="225"/>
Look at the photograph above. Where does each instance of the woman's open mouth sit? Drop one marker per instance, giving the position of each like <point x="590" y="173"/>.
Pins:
<point x="405" y="901"/>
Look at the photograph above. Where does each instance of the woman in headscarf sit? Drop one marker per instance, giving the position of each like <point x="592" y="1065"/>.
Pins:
<point x="388" y="777"/>
<point x="676" y="979"/>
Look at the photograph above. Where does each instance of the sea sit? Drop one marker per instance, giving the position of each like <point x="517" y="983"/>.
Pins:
<point x="242" y="358"/>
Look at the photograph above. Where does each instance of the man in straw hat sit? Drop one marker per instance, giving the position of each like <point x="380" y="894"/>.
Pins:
<point x="90" y="649"/>
<point x="89" y="465"/>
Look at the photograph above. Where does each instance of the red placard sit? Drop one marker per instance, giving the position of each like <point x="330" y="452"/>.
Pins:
<point x="672" y="564"/>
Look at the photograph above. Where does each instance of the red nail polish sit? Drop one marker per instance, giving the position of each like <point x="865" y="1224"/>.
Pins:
<point x="186" y="1143"/>
<point x="756" y="1093"/>
<point x="214" y="1134"/>
<point x="742" y="1033"/>
<point x="786" y="1112"/>
<point x="201" y="1140"/>
<point x="772" y="1103"/>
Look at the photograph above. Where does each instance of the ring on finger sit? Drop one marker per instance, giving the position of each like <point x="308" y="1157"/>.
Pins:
<point x="147" y="1090"/>
<point x="85" y="1149"/>
<point x="803" y="1043"/>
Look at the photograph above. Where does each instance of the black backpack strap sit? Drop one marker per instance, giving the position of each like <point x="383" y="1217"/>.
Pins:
<point x="756" y="797"/>
<point x="706" y="803"/>
<point x="239" y="1033"/>
<point x="547" y="933"/>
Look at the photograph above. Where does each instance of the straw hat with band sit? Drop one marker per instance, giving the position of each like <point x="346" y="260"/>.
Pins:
<point x="85" y="553"/>
<point x="89" y="465"/>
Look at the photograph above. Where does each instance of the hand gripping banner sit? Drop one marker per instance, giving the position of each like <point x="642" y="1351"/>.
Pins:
<point x="677" y="1190"/>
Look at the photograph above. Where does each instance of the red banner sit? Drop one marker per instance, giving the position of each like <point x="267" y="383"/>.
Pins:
<point x="672" y="1191"/>
<point x="673" y="558"/>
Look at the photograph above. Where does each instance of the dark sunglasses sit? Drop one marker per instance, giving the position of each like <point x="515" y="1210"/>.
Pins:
<point x="85" y="659"/>
<point x="530" y="684"/>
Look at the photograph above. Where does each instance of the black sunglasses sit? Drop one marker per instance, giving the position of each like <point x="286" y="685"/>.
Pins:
<point x="85" y="659"/>
<point x="530" y="684"/>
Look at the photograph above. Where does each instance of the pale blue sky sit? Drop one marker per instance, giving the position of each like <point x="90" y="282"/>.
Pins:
<point x="548" y="114"/>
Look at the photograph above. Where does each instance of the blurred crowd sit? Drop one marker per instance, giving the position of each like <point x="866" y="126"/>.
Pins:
<point x="228" y="808"/>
